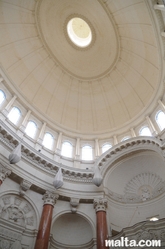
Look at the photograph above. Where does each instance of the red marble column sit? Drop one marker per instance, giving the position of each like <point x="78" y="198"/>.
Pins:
<point x="42" y="240"/>
<point x="102" y="232"/>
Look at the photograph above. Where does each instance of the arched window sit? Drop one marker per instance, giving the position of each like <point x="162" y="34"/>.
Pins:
<point x="145" y="131"/>
<point x="67" y="149"/>
<point x="48" y="140"/>
<point x="31" y="129"/>
<point x="2" y="96"/>
<point x="106" y="147"/>
<point x="160" y="119"/>
<point x="125" y="138"/>
<point x="14" y="115"/>
<point x="87" y="152"/>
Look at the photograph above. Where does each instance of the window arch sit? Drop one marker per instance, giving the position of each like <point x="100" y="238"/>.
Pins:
<point x="48" y="140"/>
<point x="14" y="115"/>
<point x="145" y="131"/>
<point x="106" y="147"/>
<point x="2" y="96"/>
<point x="87" y="152"/>
<point x="31" y="129"/>
<point x="67" y="149"/>
<point x="160" y="119"/>
<point x="125" y="138"/>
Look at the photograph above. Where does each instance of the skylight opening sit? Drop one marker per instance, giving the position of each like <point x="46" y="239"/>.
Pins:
<point x="79" y="32"/>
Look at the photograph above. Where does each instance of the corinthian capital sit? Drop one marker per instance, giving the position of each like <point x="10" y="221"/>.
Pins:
<point x="50" y="198"/>
<point x="100" y="204"/>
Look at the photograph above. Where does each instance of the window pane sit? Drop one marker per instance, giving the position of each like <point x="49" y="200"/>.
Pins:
<point x="87" y="153"/>
<point x="31" y="129"/>
<point x="2" y="96"/>
<point x="67" y="149"/>
<point x="48" y="141"/>
<point x="125" y="138"/>
<point x="145" y="131"/>
<point x="106" y="147"/>
<point x="160" y="119"/>
<point x="14" y="115"/>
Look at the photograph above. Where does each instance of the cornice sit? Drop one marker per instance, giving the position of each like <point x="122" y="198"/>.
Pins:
<point x="132" y="145"/>
<point x="40" y="161"/>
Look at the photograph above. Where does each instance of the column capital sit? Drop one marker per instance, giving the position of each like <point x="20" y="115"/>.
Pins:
<point x="100" y="204"/>
<point x="50" y="198"/>
<point x="4" y="172"/>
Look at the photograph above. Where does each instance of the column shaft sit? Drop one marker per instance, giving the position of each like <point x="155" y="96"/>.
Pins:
<point x="42" y="240"/>
<point x="102" y="232"/>
<point x="100" y="206"/>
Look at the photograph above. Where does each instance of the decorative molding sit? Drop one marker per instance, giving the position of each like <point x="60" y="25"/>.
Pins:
<point x="4" y="172"/>
<point x="24" y="186"/>
<point x="143" y="187"/>
<point x="127" y="147"/>
<point x="17" y="211"/>
<point x="5" y="244"/>
<point x="10" y="139"/>
<point x="50" y="198"/>
<point x="100" y="204"/>
<point x="149" y="230"/>
<point x="74" y="202"/>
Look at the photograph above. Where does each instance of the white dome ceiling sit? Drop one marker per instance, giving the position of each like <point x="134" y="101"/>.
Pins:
<point x="91" y="90"/>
